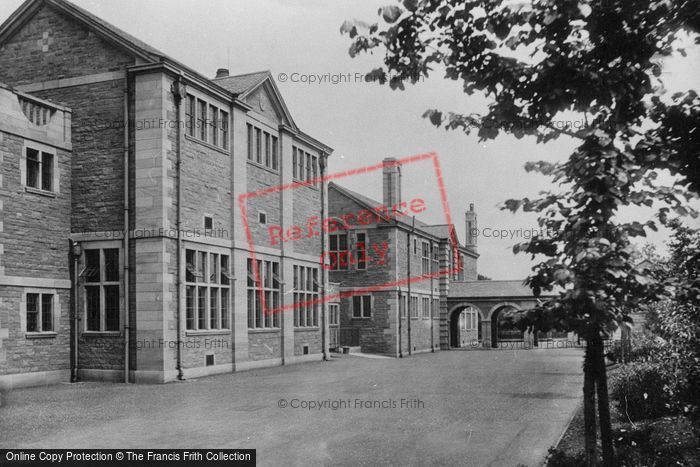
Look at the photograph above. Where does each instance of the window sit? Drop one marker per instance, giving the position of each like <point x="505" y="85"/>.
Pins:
<point x="361" y="250"/>
<point x="39" y="169"/>
<point x="414" y="307"/>
<point x="402" y="305"/>
<point x="469" y="320"/>
<point x="415" y="246"/>
<point x="314" y="166"/>
<point x="262" y="217"/>
<point x="436" y="263"/>
<point x="206" y="122"/>
<point x="308" y="166"/>
<point x="300" y="166"/>
<point x="102" y="284"/>
<point x="207" y="290"/>
<point x="208" y="223"/>
<point x="190" y="113"/>
<point x="362" y="306"/>
<point x="425" y="258"/>
<point x="275" y="157"/>
<point x="39" y="312"/>
<point x="436" y="308"/>
<point x="333" y="315"/>
<point x="269" y="287"/>
<point x="223" y="128"/>
<point x="294" y="163"/>
<point x="338" y="251"/>
<point x="258" y="145"/>
<point x="250" y="142"/>
<point x="306" y="290"/>
<point x="213" y="125"/>
<point x="263" y="148"/>
<point x="426" y="307"/>
<point x="202" y="121"/>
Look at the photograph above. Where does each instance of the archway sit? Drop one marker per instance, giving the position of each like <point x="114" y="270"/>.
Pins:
<point x="465" y="327"/>
<point x="501" y="329"/>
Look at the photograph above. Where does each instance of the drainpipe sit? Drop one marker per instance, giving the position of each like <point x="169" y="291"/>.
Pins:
<point x="408" y="249"/>
<point x="179" y="93"/>
<point x="322" y="167"/>
<point x="75" y="253"/>
<point x="126" y="231"/>
<point x="432" y="300"/>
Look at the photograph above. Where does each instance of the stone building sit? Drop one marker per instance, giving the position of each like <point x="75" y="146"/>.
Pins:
<point x="394" y="273"/>
<point x="128" y="221"/>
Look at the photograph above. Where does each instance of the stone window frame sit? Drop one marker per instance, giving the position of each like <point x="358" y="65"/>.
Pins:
<point x="473" y="319"/>
<point x="335" y="265"/>
<point x="413" y="306"/>
<point x="214" y="111"/>
<point x="333" y="314"/>
<point x="305" y="165"/>
<point x="271" y="285"/>
<point x="306" y="289"/>
<point x="55" y="182"/>
<point x="425" y="307"/>
<point x="362" y="299"/>
<point x="56" y="312"/>
<point x="203" y="280"/>
<point x="425" y="257"/>
<point x="356" y="249"/>
<point x="403" y="310"/>
<point x="435" y="303"/>
<point x="101" y="246"/>
<point x="269" y="149"/>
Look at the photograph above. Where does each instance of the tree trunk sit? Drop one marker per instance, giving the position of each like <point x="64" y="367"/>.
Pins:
<point x="603" y="405"/>
<point x="589" y="405"/>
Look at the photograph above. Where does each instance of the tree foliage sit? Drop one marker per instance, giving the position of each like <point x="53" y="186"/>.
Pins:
<point x="542" y="60"/>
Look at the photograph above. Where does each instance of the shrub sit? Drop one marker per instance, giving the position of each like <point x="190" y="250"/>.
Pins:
<point x="642" y="346"/>
<point x="638" y="390"/>
<point x="559" y="458"/>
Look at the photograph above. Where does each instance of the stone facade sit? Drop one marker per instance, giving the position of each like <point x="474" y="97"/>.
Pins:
<point x="133" y="178"/>
<point x="388" y="330"/>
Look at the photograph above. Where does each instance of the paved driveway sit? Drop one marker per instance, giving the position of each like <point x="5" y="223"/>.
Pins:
<point x="460" y="408"/>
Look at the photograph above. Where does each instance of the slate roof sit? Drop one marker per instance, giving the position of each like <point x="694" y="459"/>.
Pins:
<point x="492" y="289"/>
<point x="240" y="84"/>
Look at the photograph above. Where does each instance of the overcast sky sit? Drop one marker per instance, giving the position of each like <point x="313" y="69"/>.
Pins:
<point x="363" y="122"/>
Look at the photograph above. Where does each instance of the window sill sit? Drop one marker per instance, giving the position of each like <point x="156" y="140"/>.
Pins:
<point x="263" y="166"/>
<point x="303" y="328"/>
<point x="262" y="330"/>
<point x="305" y="183"/>
<point x="207" y="332"/>
<point x="361" y="317"/>
<point x="38" y="191"/>
<point x="101" y="333"/>
<point x="208" y="145"/>
<point x="41" y="335"/>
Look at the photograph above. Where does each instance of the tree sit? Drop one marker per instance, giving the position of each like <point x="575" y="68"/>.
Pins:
<point x="542" y="60"/>
<point x="482" y="277"/>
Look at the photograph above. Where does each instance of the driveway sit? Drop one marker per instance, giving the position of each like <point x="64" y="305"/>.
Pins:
<point x="475" y="408"/>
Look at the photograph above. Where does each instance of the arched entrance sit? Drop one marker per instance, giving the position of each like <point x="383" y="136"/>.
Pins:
<point x="501" y="329"/>
<point x="465" y="329"/>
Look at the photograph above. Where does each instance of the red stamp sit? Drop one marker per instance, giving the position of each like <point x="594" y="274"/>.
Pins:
<point x="376" y="253"/>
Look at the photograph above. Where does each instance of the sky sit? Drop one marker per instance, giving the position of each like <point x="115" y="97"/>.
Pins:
<point x="300" y="40"/>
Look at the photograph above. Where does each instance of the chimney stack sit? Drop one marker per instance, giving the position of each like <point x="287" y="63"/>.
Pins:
<point x="222" y="73"/>
<point x="470" y="224"/>
<point x="391" y="174"/>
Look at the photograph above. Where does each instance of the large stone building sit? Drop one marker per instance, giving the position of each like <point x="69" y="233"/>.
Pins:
<point x="123" y="252"/>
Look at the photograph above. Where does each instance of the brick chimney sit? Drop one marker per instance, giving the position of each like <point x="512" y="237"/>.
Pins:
<point x="470" y="225"/>
<point x="391" y="181"/>
<point x="222" y="73"/>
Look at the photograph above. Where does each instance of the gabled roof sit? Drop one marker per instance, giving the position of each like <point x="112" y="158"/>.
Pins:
<point x="443" y="231"/>
<point x="492" y="289"/>
<point x="243" y="84"/>
<point x="235" y="86"/>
